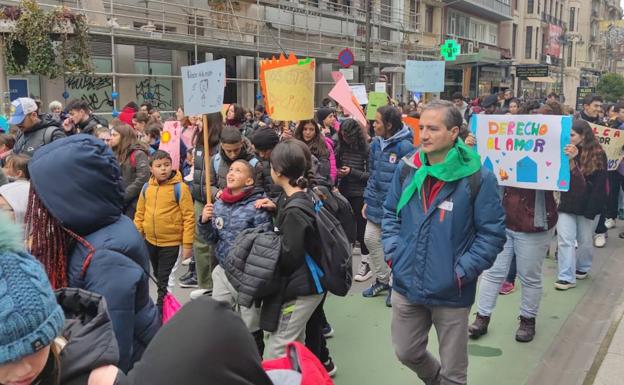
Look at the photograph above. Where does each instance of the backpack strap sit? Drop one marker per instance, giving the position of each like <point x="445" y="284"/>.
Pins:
<point x="143" y="190"/>
<point x="48" y="133"/>
<point x="316" y="272"/>
<point x="216" y="162"/>
<point x="177" y="192"/>
<point x="253" y="162"/>
<point x="133" y="162"/>
<point x="405" y="170"/>
<point x="474" y="182"/>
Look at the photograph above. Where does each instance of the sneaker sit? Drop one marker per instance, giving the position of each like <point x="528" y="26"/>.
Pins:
<point x="621" y="235"/>
<point x="187" y="261"/>
<point x="330" y="367"/>
<point x="364" y="272"/>
<point x="581" y="274"/>
<point x="199" y="292"/>
<point x="328" y="331"/>
<point x="609" y="223"/>
<point x="185" y="276"/>
<point x="190" y="282"/>
<point x="564" y="285"/>
<point x="507" y="288"/>
<point x="621" y="214"/>
<point x="600" y="240"/>
<point x="526" y="330"/>
<point x="389" y="298"/>
<point x="375" y="289"/>
<point x="479" y="327"/>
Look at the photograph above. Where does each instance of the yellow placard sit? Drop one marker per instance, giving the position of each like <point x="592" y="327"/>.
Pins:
<point x="605" y="25"/>
<point x="289" y="90"/>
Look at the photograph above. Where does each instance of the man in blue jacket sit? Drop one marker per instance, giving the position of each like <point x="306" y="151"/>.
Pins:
<point x="443" y="225"/>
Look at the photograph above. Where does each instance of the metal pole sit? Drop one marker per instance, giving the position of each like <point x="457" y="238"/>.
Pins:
<point x="563" y="58"/>
<point x="367" y="67"/>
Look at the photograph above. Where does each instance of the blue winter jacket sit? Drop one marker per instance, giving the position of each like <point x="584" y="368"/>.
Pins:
<point x="79" y="182"/>
<point x="385" y="155"/>
<point x="229" y="220"/>
<point x="438" y="255"/>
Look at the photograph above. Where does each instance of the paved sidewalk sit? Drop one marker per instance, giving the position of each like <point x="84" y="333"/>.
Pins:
<point x="610" y="360"/>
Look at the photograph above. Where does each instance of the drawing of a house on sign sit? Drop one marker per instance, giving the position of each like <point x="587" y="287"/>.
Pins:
<point x="526" y="170"/>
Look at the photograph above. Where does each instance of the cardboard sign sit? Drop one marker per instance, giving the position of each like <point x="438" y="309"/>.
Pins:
<point x="375" y="100"/>
<point x="203" y="85"/>
<point x="288" y="87"/>
<point x="170" y="141"/>
<point x="342" y="94"/>
<point x="424" y="76"/>
<point x="380" y="87"/>
<point x="525" y="151"/>
<point x="611" y="140"/>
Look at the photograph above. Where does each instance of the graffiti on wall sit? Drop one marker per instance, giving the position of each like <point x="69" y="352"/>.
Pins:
<point x="95" y="90"/>
<point x="156" y="92"/>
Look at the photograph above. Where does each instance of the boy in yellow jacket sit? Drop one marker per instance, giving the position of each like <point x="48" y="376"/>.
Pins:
<point x="165" y="217"/>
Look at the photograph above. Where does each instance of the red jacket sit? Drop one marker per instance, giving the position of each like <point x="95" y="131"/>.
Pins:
<point x="126" y="116"/>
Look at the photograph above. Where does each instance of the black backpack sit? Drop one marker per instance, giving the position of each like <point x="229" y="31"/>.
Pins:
<point x="334" y="271"/>
<point x="340" y="208"/>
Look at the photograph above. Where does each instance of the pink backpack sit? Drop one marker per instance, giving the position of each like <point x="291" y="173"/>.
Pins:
<point x="298" y="367"/>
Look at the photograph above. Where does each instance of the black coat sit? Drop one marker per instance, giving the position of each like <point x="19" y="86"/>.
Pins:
<point x="354" y="184"/>
<point x="44" y="132"/>
<point x="587" y="194"/>
<point x="91" y="123"/>
<point x="198" y="186"/>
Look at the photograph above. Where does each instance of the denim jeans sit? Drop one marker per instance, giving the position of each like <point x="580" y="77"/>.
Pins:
<point x="530" y="250"/>
<point x="572" y="228"/>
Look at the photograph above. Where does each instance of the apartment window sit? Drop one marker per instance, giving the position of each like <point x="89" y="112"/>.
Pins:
<point x="515" y="5"/>
<point x="536" y="42"/>
<point x="429" y="18"/>
<point x="572" y="18"/>
<point x="550" y="9"/>
<point x="561" y="13"/>
<point x="557" y="10"/>
<point x="528" y="44"/>
<point x="514" y="36"/>
<point x="530" y="6"/>
<point x="471" y="28"/>
<point x="569" y="52"/>
<point x="386" y="11"/>
<point x="539" y="3"/>
<point x="414" y="13"/>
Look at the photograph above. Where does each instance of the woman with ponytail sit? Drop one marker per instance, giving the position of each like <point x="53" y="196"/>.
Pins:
<point x="298" y="298"/>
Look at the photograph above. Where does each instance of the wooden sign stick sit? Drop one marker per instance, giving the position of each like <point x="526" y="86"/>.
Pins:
<point x="207" y="158"/>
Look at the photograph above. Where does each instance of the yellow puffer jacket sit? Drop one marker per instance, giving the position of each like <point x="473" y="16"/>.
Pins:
<point x="160" y="219"/>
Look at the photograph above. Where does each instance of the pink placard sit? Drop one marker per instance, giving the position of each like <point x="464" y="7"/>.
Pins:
<point x="342" y="94"/>
<point x="170" y="141"/>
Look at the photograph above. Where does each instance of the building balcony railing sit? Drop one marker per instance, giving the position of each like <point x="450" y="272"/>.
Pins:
<point x="554" y="61"/>
<point x="496" y="10"/>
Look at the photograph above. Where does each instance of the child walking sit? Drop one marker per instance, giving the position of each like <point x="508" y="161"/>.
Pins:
<point x="221" y="222"/>
<point x="166" y="219"/>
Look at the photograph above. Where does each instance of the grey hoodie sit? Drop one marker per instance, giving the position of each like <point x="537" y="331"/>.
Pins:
<point x="16" y="195"/>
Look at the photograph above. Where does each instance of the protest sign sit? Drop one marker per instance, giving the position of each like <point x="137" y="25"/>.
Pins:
<point x="342" y="94"/>
<point x="611" y="140"/>
<point x="375" y="100"/>
<point x="424" y="76"/>
<point x="288" y="87"/>
<point x="525" y="150"/>
<point x="203" y="85"/>
<point x="414" y="124"/>
<point x="170" y="141"/>
<point x="359" y="91"/>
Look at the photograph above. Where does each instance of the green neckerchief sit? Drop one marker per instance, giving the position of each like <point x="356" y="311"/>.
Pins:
<point x="460" y="162"/>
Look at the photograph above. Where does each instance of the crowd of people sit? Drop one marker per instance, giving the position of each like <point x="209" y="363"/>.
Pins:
<point x="105" y="210"/>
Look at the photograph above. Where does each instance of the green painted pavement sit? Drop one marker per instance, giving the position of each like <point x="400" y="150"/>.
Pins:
<point x="362" y="348"/>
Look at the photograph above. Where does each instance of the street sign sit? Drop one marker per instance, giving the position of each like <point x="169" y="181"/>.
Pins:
<point x="347" y="73"/>
<point x="531" y="71"/>
<point x="380" y="87"/>
<point x="581" y="92"/>
<point x="450" y="49"/>
<point x="346" y="58"/>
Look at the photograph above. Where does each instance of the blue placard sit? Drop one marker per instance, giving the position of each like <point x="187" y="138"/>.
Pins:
<point x="424" y="76"/>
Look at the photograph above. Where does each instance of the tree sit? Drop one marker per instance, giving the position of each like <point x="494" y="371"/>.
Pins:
<point x="611" y="86"/>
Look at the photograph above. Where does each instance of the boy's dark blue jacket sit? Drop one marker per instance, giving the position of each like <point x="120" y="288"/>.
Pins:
<point x="230" y="219"/>
<point x="385" y="155"/>
<point x="79" y="182"/>
<point x="438" y="254"/>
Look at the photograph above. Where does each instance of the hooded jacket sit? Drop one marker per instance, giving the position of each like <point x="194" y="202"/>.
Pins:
<point x="44" y="132"/>
<point x="88" y="333"/>
<point x="161" y="218"/>
<point x="16" y="195"/>
<point x="219" y="175"/>
<point x="437" y="254"/>
<point x="385" y="155"/>
<point x="78" y="181"/>
<point x="91" y="123"/>
<point x="204" y="343"/>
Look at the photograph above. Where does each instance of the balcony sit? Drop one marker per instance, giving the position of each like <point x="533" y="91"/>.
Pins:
<point x="554" y="61"/>
<point x="494" y="10"/>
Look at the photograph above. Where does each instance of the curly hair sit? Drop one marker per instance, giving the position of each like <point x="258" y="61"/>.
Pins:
<point x="592" y="157"/>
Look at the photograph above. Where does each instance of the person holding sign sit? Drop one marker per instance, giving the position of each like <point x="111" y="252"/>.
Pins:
<point x="443" y="224"/>
<point x="580" y="207"/>
<point x="530" y="219"/>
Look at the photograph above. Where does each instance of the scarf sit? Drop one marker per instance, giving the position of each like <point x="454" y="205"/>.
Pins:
<point x="460" y="162"/>
<point x="230" y="198"/>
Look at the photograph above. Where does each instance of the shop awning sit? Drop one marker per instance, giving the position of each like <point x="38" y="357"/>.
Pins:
<point x="544" y="79"/>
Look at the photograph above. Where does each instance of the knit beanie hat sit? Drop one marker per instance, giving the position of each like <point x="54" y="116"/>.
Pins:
<point x="30" y="317"/>
<point x="323" y="113"/>
<point x="16" y="195"/>
<point x="265" y="139"/>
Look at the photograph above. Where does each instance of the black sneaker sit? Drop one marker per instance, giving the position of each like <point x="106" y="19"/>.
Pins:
<point x="330" y="367"/>
<point x="328" y="331"/>
<point x="581" y="274"/>
<point x="185" y="276"/>
<point x="189" y="283"/>
<point x="564" y="285"/>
